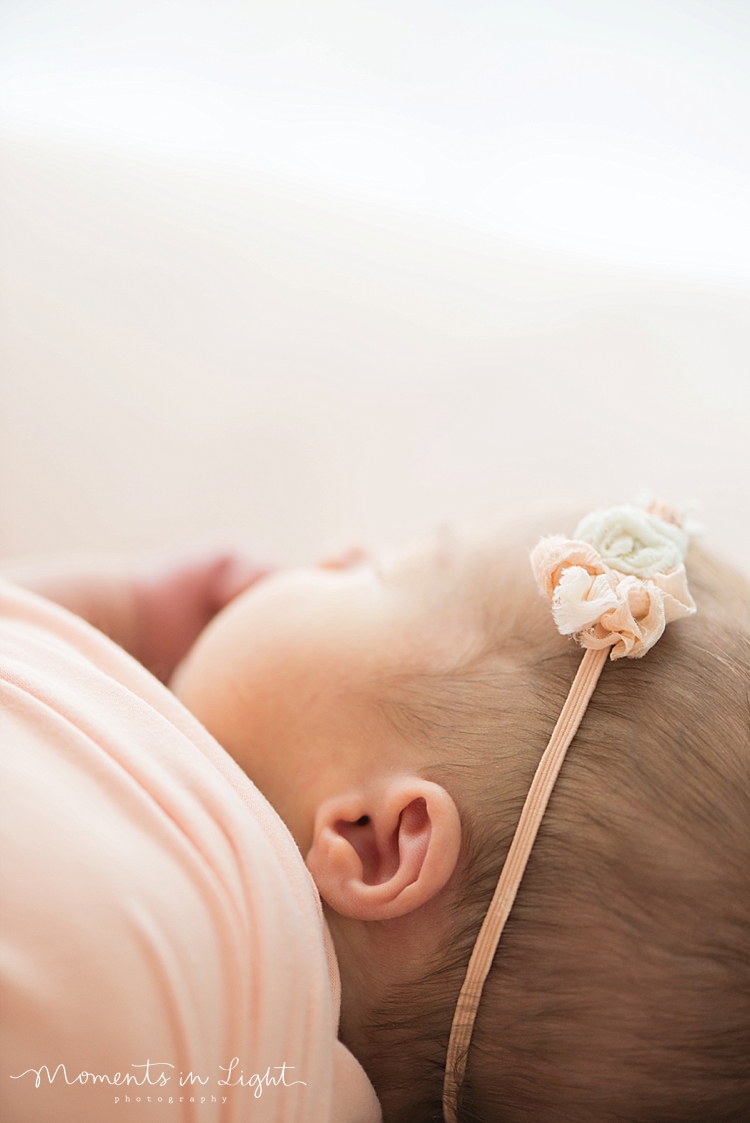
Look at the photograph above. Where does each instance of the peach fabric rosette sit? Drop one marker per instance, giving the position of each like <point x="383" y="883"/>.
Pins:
<point x="620" y="581"/>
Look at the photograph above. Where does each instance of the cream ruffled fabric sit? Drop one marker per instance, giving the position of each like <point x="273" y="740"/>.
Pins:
<point x="155" y="908"/>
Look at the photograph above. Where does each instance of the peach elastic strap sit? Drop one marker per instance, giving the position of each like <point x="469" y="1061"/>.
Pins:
<point x="512" y="872"/>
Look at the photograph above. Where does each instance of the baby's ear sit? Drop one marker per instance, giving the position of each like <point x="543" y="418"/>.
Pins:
<point x="384" y="851"/>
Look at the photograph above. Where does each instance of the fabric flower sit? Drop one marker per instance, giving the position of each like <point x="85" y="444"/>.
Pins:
<point x="634" y="541"/>
<point x="619" y="582"/>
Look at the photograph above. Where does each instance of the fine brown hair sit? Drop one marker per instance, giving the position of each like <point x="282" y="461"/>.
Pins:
<point x="621" y="987"/>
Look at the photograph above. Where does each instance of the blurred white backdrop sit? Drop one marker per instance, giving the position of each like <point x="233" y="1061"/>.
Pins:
<point x="620" y="128"/>
<point x="304" y="267"/>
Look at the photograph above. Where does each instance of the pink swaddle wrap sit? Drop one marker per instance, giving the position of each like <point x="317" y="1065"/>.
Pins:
<point x="162" y="937"/>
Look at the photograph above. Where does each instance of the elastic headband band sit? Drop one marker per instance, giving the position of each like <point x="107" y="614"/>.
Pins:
<point x="513" y="870"/>
<point x="609" y="588"/>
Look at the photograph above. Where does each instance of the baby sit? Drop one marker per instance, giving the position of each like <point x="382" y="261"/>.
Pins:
<point x="394" y="710"/>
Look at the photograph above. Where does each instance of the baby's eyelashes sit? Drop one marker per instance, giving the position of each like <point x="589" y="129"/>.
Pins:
<point x="344" y="558"/>
<point x="347" y="554"/>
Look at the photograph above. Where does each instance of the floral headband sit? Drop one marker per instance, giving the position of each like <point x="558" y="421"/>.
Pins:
<point x="614" y="587"/>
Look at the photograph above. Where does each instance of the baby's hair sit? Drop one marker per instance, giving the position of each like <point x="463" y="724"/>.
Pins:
<point x="621" y="986"/>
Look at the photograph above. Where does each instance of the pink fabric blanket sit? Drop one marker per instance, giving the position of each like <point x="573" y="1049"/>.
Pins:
<point x="164" y="953"/>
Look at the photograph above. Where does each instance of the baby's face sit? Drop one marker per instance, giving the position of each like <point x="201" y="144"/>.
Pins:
<point x="288" y="677"/>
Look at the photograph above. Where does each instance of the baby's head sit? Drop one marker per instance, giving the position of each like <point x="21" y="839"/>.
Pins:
<point x="394" y="713"/>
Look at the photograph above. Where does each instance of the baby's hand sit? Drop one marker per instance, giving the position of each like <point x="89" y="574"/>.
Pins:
<point x="178" y="593"/>
<point x="155" y="605"/>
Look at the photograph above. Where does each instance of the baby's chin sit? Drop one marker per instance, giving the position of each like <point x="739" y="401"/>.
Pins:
<point x="197" y="678"/>
<point x="175" y="683"/>
<point x="185" y="685"/>
<point x="215" y="648"/>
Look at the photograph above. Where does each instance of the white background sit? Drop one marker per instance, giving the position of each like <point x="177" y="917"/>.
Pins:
<point x="299" y="268"/>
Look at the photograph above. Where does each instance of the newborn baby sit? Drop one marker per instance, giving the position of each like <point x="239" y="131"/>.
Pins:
<point x="393" y="710"/>
<point x="161" y="920"/>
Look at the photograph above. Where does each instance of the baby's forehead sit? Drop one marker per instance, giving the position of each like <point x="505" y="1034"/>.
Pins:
<point x="486" y="582"/>
<point x="500" y="548"/>
<point x="494" y="577"/>
<point x="521" y="529"/>
<point x="496" y="553"/>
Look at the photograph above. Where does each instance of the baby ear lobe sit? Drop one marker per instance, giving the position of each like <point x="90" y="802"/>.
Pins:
<point x="383" y="852"/>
